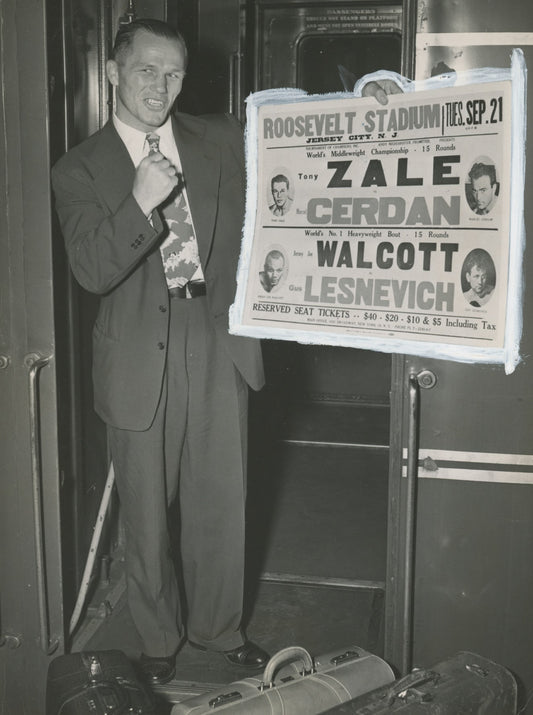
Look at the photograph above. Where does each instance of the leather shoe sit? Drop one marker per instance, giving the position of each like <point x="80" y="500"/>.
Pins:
<point x="248" y="655"/>
<point x="158" y="671"/>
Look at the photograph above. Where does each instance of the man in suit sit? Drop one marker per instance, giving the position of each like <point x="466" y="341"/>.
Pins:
<point x="169" y="381"/>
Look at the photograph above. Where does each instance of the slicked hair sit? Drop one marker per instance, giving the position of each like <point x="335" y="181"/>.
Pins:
<point x="126" y="33"/>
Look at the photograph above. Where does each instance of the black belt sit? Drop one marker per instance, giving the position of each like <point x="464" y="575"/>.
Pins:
<point x="192" y="289"/>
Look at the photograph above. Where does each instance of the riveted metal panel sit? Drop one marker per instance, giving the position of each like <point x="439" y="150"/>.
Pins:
<point x="31" y="615"/>
<point x="473" y="585"/>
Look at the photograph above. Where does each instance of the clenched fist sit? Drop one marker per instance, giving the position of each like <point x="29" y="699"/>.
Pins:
<point x="155" y="178"/>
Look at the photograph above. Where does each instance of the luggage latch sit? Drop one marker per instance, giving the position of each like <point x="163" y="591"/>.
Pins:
<point x="345" y="657"/>
<point x="224" y="699"/>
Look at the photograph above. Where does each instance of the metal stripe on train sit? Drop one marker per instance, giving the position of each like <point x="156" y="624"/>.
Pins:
<point x="472" y="39"/>
<point x="473" y="466"/>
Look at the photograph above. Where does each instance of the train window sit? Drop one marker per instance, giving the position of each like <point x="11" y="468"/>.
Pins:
<point x="324" y="60"/>
<point x="301" y="44"/>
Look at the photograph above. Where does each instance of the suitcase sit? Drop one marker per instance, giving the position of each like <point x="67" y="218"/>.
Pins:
<point x="295" y="684"/>
<point x="465" y="684"/>
<point x="95" y="683"/>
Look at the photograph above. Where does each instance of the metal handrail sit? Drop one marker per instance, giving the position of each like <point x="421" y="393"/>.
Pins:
<point x="410" y="518"/>
<point x="35" y="363"/>
<point x="425" y="379"/>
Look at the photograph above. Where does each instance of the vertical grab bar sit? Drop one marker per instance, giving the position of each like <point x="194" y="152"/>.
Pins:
<point x="410" y="518"/>
<point x="35" y="363"/>
<point x="424" y="379"/>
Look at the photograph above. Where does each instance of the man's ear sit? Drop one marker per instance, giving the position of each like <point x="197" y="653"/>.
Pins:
<point x="112" y="72"/>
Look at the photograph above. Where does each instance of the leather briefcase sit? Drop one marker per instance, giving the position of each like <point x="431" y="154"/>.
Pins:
<point x="95" y="683"/>
<point x="465" y="684"/>
<point x="293" y="683"/>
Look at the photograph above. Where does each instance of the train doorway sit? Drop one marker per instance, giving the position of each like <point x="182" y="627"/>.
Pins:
<point x="328" y="407"/>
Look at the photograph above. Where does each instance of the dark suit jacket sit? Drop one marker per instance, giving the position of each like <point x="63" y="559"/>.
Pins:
<point x="114" y="251"/>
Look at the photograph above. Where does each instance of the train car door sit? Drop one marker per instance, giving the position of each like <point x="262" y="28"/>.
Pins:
<point x="473" y="582"/>
<point x="33" y="451"/>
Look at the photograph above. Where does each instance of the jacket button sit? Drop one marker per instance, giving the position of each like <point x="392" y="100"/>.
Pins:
<point x="161" y="346"/>
<point x="163" y="308"/>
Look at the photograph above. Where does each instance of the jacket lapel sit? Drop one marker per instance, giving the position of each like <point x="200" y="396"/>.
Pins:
<point x="112" y="167"/>
<point x="201" y="170"/>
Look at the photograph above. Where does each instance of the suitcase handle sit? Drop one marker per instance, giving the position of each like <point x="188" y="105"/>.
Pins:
<point x="403" y="687"/>
<point x="283" y="657"/>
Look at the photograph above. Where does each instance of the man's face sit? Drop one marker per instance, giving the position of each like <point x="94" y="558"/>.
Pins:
<point x="477" y="279"/>
<point x="274" y="270"/>
<point x="483" y="192"/>
<point x="279" y="193"/>
<point x="148" y="77"/>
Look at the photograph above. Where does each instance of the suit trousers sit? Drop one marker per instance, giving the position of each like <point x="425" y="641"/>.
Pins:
<point x="187" y="472"/>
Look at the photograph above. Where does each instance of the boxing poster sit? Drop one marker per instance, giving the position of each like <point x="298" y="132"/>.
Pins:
<point x="395" y="227"/>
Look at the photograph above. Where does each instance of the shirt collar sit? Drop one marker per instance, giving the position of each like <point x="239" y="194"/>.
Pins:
<point x="134" y="139"/>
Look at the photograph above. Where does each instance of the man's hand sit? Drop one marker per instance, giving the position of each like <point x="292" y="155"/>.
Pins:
<point x="380" y="90"/>
<point x="155" y="178"/>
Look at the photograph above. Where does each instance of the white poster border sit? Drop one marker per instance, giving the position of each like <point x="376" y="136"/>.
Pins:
<point x="509" y="355"/>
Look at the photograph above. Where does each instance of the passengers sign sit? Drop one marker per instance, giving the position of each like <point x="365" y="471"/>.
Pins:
<point x="394" y="228"/>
